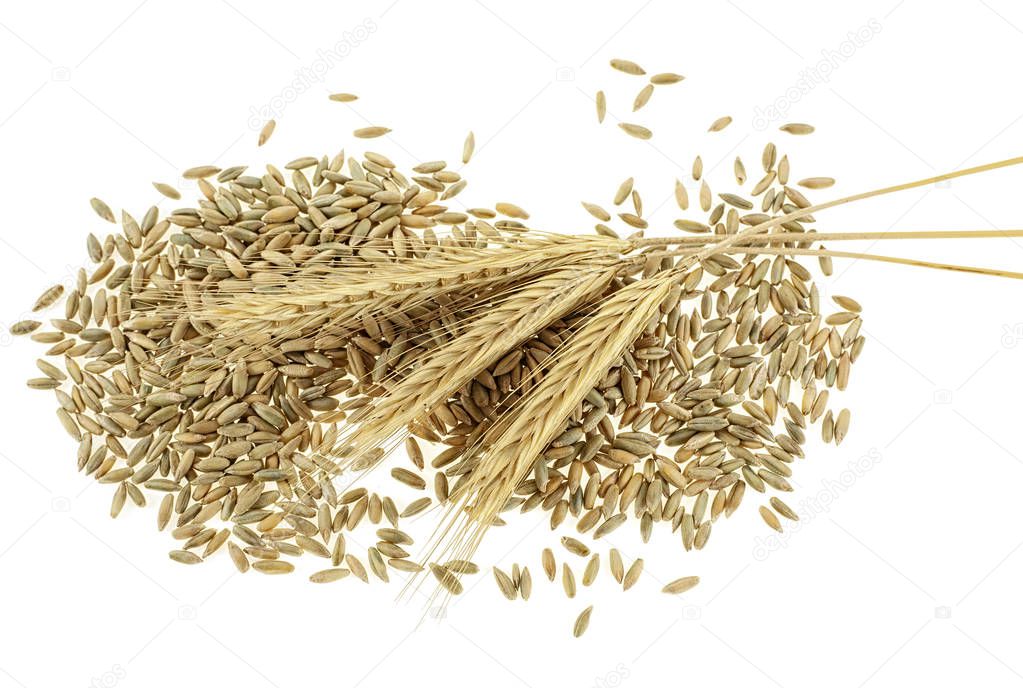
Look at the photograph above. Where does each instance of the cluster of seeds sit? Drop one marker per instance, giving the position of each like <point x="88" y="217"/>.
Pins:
<point x="247" y="359"/>
<point x="643" y="97"/>
<point x="686" y="415"/>
<point x="227" y="428"/>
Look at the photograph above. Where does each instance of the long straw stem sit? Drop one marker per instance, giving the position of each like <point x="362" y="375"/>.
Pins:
<point x="783" y="251"/>
<point x="802" y="212"/>
<point x="785" y="237"/>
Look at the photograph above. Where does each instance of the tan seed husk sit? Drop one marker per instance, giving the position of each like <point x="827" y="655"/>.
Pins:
<point x="23" y="327"/>
<point x="591" y="570"/>
<point x="117" y="502"/>
<point x="816" y="182"/>
<point x="461" y="566"/>
<point x="376" y="564"/>
<point x="768" y="157"/>
<point x="413" y="480"/>
<point x="329" y="575"/>
<point x="167" y="190"/>
<point x="575" y="546"/>
<point x="48" y="297"/>
<point x="784" y="509"/>
<point x="525" y="584"/>
<point x="633" y="574"/>
<point x="692" y="226"/>
<point x="511" y="210"/>
<point x="266" y="132"/>
<point x="797" y="128"/>
<point x="681" y="195"/>
<point x="848" y="303"/>
<point x="597" y="212"/>
<point x="164" y="512"/>
<point x="643" y="97"/>
<point x="200" y="172"/>
<point x="623" y="191"/>
<point x="582" y="622"/>
<point x="842" y="425"/>
<point x="740" y="172"/>
<point x="184" y="557"/>
<point x="505" y="584"/>
<point x="273" y="566"/>
<point x="609" y="526"/>
<point x="404" y="565"/>
<point x="102" y="209"/>
<point x="616" y="565"/>
<point x="568" y="581"/>
<point x="770" y="519"/>
<point x="447" y="579"/>
<point x="238" y="558"/>
<point x="681" y="585"/>
<point x="370" y="132"/>
<point x="627" y="66"/>
<point x="356" y="567"/>
<point x="550" y="566"/>
<point x="636" y="130"/>
<point x="416" y="506"/>
<point x="720" y="123"/>
<point x="666" y="78"/>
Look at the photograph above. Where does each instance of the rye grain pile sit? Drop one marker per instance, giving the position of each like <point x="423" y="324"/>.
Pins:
<point x="244" y="360"/>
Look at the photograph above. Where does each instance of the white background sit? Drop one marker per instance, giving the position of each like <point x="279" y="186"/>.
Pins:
<point x="907" y="572"/>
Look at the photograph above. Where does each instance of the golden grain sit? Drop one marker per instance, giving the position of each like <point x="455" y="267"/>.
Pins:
<point x="797" y="128"/>
<point x="720" y="123"/>
<point x="636" y="130"/>
<point x="582" y="622"/>
<point x="627" y="66"/>
<point x="681" y="585"/>
<point x="370" y="132"/>
<point x="666" y="78"/>
<point x="266" y="132"/>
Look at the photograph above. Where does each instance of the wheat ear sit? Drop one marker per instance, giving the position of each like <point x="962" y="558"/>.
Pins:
<point x="585" y="359"/>
<point x="484" y="342"/>
<point x="335" y="285"/>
